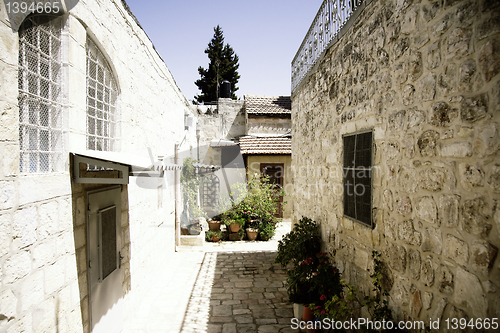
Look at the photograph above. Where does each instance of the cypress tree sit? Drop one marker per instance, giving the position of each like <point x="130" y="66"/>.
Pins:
<point x="223" y="66"/>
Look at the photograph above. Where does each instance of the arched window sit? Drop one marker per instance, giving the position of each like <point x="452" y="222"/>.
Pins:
<point x="40" y="97"/>
<point x="102" y="95"/>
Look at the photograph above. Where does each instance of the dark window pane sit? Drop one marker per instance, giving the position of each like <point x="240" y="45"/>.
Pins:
<point x="108" y="237"/>
<point x="363" y="212"/>
<point x="349" y="145"/>
<point x="364" y="150"/>
<point x="349" y="198"/>
<point x="364" y="141"/>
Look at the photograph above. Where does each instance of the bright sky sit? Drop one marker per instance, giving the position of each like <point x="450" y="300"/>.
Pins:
<point x="265" y="34"/>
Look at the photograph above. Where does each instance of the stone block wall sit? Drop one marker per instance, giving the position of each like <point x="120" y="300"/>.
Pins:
<point x="268" y="125"/>
<point x="43" y="237"/>
<point x="424" y="77"/>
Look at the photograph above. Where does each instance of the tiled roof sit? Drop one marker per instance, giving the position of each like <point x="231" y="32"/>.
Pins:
<point x="265" y="145"/>
<point x="262" y="105"/>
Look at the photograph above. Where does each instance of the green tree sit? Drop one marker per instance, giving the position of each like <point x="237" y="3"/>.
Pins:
<point x="223" y="66"/>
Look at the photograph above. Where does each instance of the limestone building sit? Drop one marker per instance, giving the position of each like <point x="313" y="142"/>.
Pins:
<point x="90" y="116"/>
<point x="267" y="147"/>
<point x="395" y="121"/>
<point x="252" y="134"/>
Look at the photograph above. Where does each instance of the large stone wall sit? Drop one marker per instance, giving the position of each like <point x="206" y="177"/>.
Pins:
<point x="423" y="75"/>
<point x="268" y="125"/>
<point x="43" y="278"/>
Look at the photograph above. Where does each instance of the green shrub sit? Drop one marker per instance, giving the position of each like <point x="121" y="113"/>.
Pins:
<point x="300" y="243"/>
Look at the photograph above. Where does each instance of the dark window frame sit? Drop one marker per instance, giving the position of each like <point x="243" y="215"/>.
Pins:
<point x="280" y="183"/>
<point x="357" y="173"/>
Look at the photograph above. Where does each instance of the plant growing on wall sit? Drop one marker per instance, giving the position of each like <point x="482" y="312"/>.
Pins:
<point x="190" y="183"/>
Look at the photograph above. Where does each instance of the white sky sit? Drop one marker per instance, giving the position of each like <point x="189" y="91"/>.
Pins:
<point x="265" y="34"/>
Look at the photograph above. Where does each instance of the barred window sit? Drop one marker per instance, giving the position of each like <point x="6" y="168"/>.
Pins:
<point x="102" y="95"/>
<point x="210" y="191"/>
<point x="40" y="97"/>
<point x="358" y="177"/>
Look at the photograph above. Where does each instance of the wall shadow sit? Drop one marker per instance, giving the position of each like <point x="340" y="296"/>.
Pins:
<point x="239" y="291"/>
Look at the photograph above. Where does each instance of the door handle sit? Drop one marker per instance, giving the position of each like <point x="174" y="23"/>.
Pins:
<point x="120" y="261"/>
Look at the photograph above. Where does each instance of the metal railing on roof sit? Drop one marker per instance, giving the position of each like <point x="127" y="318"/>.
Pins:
<point x="324" y="30"/>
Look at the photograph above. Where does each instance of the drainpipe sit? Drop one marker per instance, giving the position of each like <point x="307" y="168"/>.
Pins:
<point x="177" y="199"/>
<point x="198" y="131"/>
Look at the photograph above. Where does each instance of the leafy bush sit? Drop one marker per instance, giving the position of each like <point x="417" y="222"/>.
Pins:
<point x="266" y="231"/>
<point x="211" y="233"/>
<point x="314" y="280"/>
<point x="255" y="200"/>
<point x="343" y="306"/>
<point x="299" y="244"/>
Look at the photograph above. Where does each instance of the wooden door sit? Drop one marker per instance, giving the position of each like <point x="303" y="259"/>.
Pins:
<point x="276" y="174"/>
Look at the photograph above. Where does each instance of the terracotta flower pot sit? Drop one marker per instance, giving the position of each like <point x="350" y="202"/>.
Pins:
<point x="308" y="316"/>
<point x="214" y="225"/>
<point x="252" y="234"/>
<point x="235" y="227"/>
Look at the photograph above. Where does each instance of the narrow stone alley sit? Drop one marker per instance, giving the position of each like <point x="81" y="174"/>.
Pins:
<point x="218" y="288"/>
<point x="239" y="292"/>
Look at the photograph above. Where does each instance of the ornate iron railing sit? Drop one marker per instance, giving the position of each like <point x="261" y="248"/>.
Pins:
<point x="331" y="17"/>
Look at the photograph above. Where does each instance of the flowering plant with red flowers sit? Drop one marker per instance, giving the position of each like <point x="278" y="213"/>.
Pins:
<point x="314" y="280"/>
<point x="347" y="304"/>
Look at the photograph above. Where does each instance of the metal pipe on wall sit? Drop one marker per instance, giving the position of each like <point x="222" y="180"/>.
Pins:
<point x="177" y="198"/>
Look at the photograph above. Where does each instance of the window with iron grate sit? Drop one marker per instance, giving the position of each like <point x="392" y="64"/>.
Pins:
<point x="102" y="95"/>
<point x="210" y="191"/>
<point x="40" y="97"/>
<point x="357" y="171"/>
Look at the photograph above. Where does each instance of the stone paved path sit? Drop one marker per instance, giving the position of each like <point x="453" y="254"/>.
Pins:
<point x="239" y="292"/>
<point x="217" y="288"/>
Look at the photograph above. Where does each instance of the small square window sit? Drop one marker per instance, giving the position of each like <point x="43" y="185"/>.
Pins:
<point x="357" y="172"/>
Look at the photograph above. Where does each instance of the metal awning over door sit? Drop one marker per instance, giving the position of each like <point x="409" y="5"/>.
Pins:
<point x="103" y="167"/>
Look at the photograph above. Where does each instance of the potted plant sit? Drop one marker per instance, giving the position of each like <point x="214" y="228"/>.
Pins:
<point x="252" y="229"/>
<point x="213" y="224"/>
<point x="266" y="231"/>
<point x="213" y="236"/>
<point x="234" y="220"/>
<point x="300" y="244"/>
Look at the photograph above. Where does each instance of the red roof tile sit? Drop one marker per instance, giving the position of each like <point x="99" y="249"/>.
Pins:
<point x="251" y="145"/>
<point x="262" y="105"/>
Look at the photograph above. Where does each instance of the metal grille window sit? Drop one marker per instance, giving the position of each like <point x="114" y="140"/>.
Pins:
<point x="40" y="97"/>
<point x="102" y="95"/>
<point x="210" y="191"/>
<point x="358" y="177"/>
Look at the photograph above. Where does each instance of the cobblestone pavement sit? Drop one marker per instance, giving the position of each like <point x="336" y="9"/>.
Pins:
<point x="225" y="287"/>
<point x="239" y="292"/>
